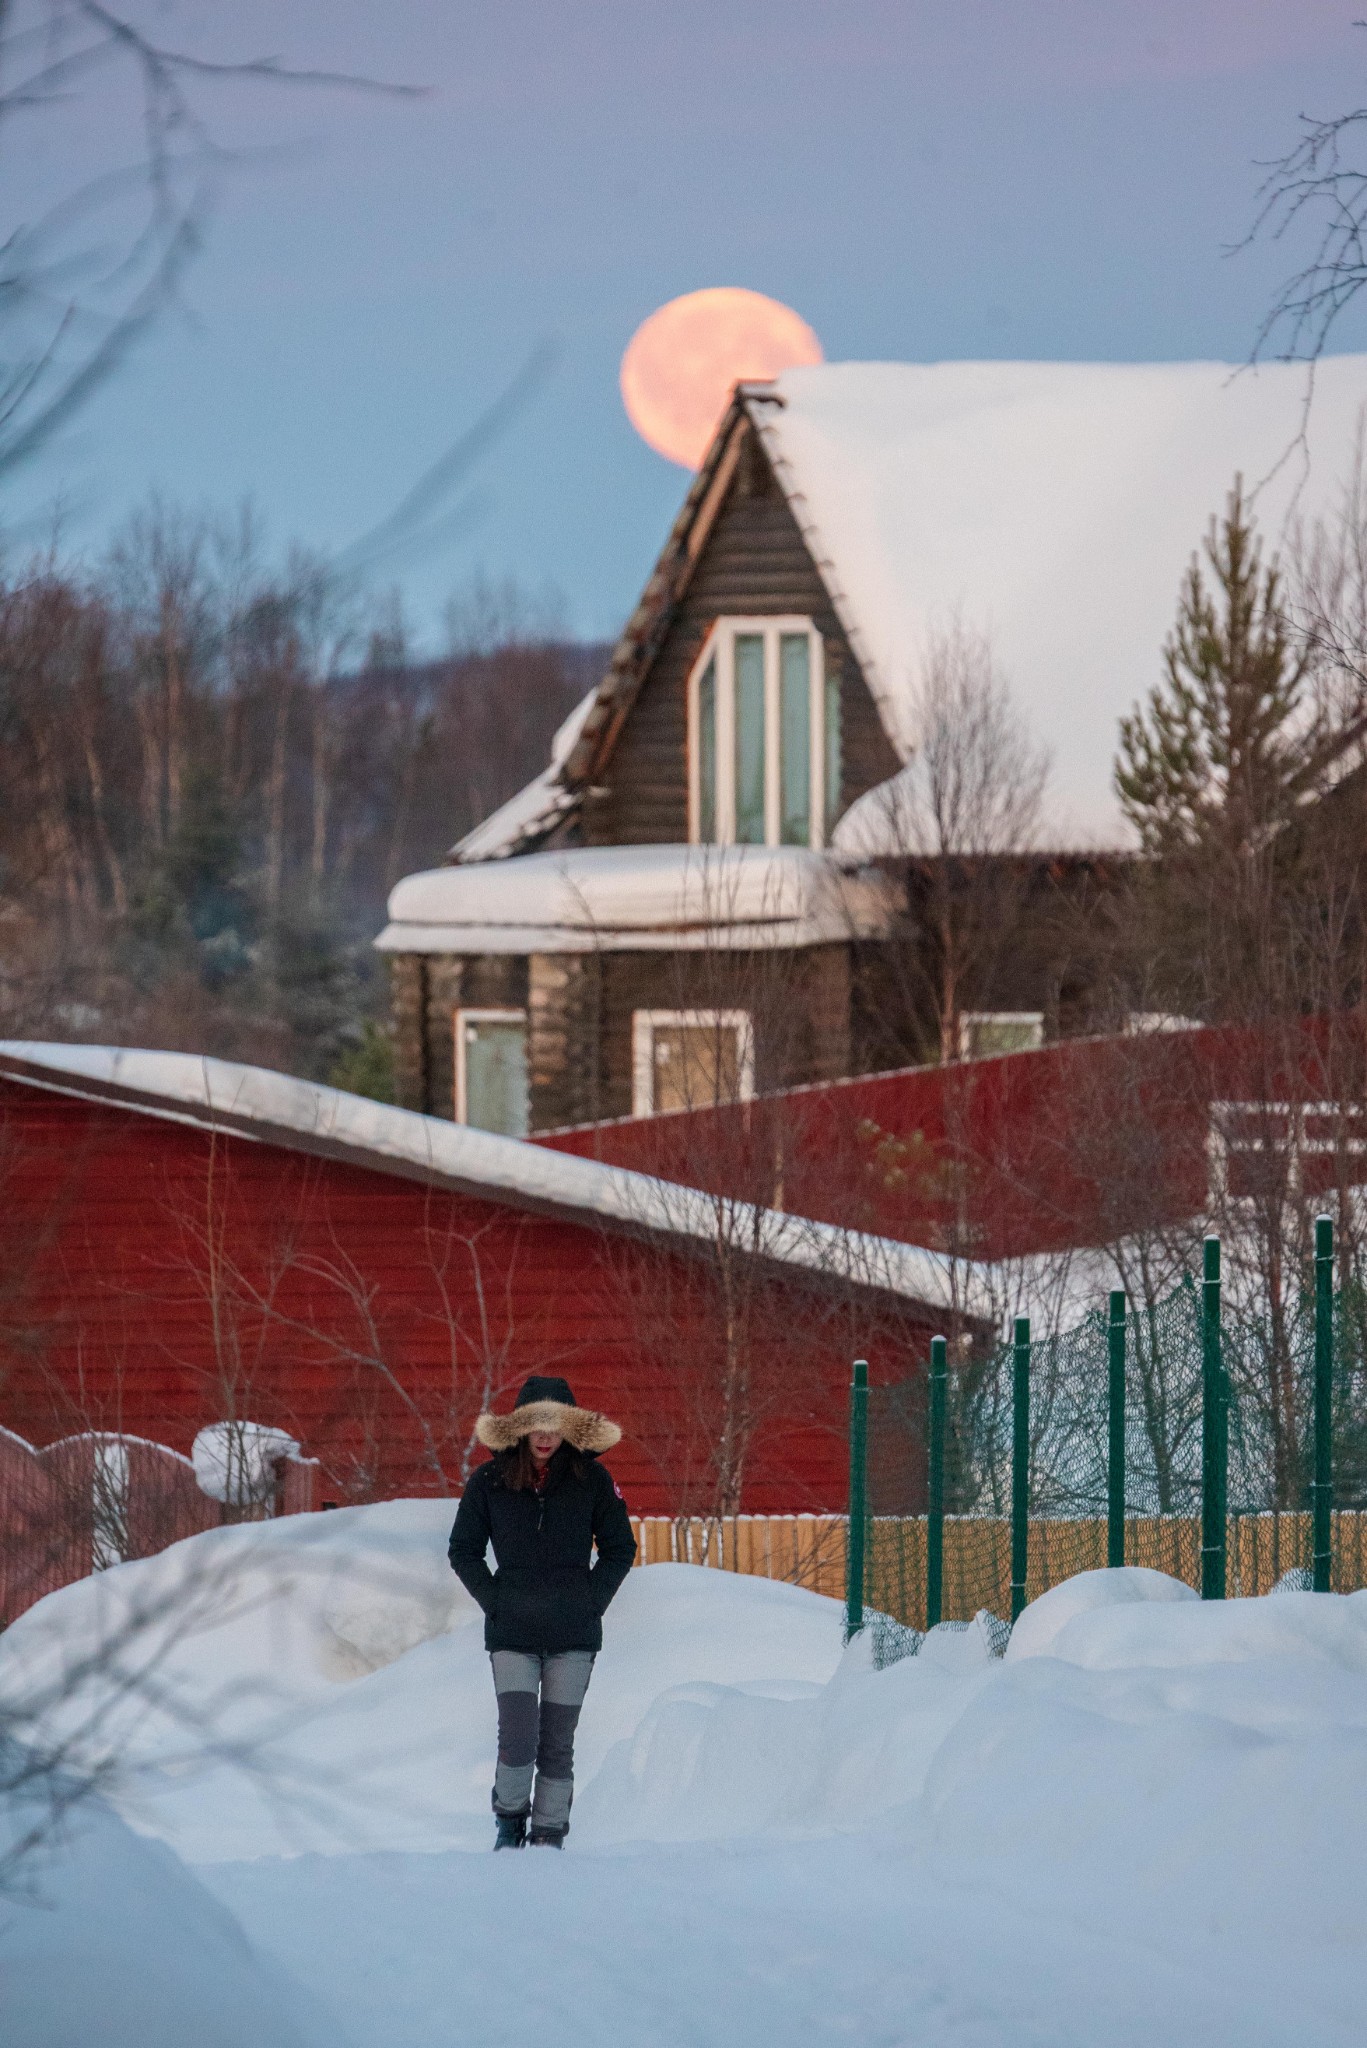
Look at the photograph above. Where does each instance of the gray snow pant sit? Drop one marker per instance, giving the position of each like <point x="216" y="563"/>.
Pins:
<point x="536" y="1735"/>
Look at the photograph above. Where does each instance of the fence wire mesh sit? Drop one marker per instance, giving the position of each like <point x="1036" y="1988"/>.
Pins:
<point x="1081" y="1510"/>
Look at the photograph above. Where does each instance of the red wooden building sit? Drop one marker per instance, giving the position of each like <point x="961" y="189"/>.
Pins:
<point x="188" y="1241"/>
<point x="1079" y="1143"/>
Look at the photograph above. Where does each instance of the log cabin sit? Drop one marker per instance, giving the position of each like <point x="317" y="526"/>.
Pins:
<point x="710" y="891"/>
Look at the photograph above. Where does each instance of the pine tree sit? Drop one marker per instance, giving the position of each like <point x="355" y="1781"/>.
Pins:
<point x="1217" y="760"/>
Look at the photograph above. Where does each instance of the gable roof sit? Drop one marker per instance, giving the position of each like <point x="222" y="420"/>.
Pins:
<point x="1052" y="505"/>
<point x="256" y="1103"/>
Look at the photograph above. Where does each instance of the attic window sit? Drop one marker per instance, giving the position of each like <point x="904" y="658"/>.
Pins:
<point x="763" y="736"/>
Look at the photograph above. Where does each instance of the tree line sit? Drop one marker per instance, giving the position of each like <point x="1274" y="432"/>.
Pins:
<point x="213" y="768"/>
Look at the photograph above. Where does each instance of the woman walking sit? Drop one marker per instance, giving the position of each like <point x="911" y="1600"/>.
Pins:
<point x="545" y="1503"/>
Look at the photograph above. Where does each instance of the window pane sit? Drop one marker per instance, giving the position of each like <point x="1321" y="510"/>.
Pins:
<point x="832" y="764"/>
<point x="707" y="754"/>
<point x="750" y="739"/>
<point x="694" y="1066"/>
<point x="496" y="1075"/>
<point x="981" y="1036"/>
<point x="795" y="739"/>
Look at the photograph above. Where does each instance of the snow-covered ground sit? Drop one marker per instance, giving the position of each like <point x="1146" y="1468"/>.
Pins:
<point x="1147" y="1824"/>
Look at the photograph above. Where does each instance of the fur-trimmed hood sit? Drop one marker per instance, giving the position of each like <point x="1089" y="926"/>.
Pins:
<point x="548" y="1404"/>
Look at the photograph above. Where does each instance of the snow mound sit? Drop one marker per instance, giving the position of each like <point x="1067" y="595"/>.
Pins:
<point x="320" y="1682"/>
<point x="1044" y="1621"/>
<point x="114" y="1943"/>
<point x="235" y="1461"/>
<point x="1142" y="1825"/>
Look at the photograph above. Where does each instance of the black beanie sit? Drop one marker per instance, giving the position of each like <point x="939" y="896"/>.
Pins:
<point x="538" y="1388"/>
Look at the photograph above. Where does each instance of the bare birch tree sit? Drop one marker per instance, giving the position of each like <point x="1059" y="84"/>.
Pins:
<point x="970" y="801"/>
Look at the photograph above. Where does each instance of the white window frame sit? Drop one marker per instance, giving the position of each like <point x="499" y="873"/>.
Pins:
<point x="644" y="1024"/>
<point x="460" y="1017"/>
<point x="721" y="644"/>
<point x="968" y="1018"/>
<point x="1290" y="1123"/>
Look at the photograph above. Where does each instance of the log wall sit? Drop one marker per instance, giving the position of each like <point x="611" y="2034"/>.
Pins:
<point x="753" y="562"/>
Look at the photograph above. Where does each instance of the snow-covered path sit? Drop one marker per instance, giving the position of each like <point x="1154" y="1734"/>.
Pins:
<point x="846" y="1939"/>
<point x="1147" y="1824"/>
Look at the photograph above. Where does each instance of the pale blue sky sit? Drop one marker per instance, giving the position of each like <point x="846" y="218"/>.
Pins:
<point x="919" y="178"/>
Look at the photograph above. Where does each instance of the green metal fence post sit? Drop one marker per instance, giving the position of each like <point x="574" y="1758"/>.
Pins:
<point x="854" y="1554"/>
<point x="1214" y="1432"/>
<point x="1322" y="1489"/>
<point x="1020" y="1464"/>
<point x="1115" y="1462"/>
<point x="935" y="1488"/>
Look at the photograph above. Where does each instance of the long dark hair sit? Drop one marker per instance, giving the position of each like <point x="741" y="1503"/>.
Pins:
<point x="519" y="1466"/>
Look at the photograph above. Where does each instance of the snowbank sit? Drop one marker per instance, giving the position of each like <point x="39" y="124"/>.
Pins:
<point x="1144" y="1825"/>
<point x="340" y="1667"/>
<point x="112" y="1943"/>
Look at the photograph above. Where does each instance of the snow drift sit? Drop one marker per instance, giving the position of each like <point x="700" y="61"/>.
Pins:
<point x="1141" y="1825"/>
<point x="111" y="1942"/>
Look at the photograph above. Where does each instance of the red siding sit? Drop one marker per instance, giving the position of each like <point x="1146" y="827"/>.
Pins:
<point x="157" y="1276"/>
<point x="1078" y="1143"/>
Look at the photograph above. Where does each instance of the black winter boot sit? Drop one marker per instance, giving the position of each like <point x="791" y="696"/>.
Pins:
<point x="512" y="1831"/>
<point x="548" y="1838"/>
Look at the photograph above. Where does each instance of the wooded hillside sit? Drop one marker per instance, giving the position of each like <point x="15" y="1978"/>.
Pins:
<point x="211" y="774"/>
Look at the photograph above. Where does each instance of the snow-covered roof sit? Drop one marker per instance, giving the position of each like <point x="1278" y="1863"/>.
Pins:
<point x="254" y="1102"/>
<point x="636" y="898"/>
<point x="1052" y="505"/>
<point x="527" y="817"/>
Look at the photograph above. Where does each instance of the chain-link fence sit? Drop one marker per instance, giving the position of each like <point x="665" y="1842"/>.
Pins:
<point x="1226" y="1448"/>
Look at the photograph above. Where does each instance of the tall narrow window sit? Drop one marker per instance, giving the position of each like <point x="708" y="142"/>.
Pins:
<point x="491" y="1071"/>
<point x="749" y="687"/>
<point x="795" y="739"/>
<point x="763" y="736"/>
<point x="707" y="753"/>
<point x="833" y="764"/>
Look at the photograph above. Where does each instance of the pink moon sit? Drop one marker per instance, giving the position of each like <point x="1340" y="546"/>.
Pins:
<point x="681" y="363"/>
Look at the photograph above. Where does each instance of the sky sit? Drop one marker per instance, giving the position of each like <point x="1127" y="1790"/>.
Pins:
<point x="919" y="179"/>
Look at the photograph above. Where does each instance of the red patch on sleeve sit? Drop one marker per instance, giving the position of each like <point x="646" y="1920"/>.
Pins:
<point x="618" y="1491"/>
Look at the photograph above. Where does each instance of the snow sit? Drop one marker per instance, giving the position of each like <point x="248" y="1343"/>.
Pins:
<point x="1144" y="1825"/>
<point x="255" y="1101"/>
<point x="637" y="898"/>
<point x="1053" y="505"/>
<point x="1043" y="1629"/>
<point x="235" y="1461"/>
<point x="114" y="1943"/>
<point x="534" y="809"/>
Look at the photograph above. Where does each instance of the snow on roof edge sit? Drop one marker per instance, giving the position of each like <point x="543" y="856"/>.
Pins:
<point x="755" y="398"/>
<point x="185" y="1086"/>
<point x="534" y="808"/>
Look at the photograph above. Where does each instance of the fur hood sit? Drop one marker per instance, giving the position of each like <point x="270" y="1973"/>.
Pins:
<point x="548" y="1404"/>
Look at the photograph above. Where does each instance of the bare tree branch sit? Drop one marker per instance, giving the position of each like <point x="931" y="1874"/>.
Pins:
<point x="1320" y="186"/>
<point x="71" y="305"/>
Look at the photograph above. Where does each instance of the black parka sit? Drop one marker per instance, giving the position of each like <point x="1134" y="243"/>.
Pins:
<point x="546" y="1596"/>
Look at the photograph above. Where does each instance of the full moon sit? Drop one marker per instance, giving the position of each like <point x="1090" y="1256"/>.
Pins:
<point x="681" y="363"/>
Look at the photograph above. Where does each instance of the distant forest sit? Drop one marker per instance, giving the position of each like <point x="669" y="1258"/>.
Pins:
<point x="211" y="775"/>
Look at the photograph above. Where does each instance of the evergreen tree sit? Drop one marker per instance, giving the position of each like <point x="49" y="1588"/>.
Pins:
<point x="1226" y="745"/>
